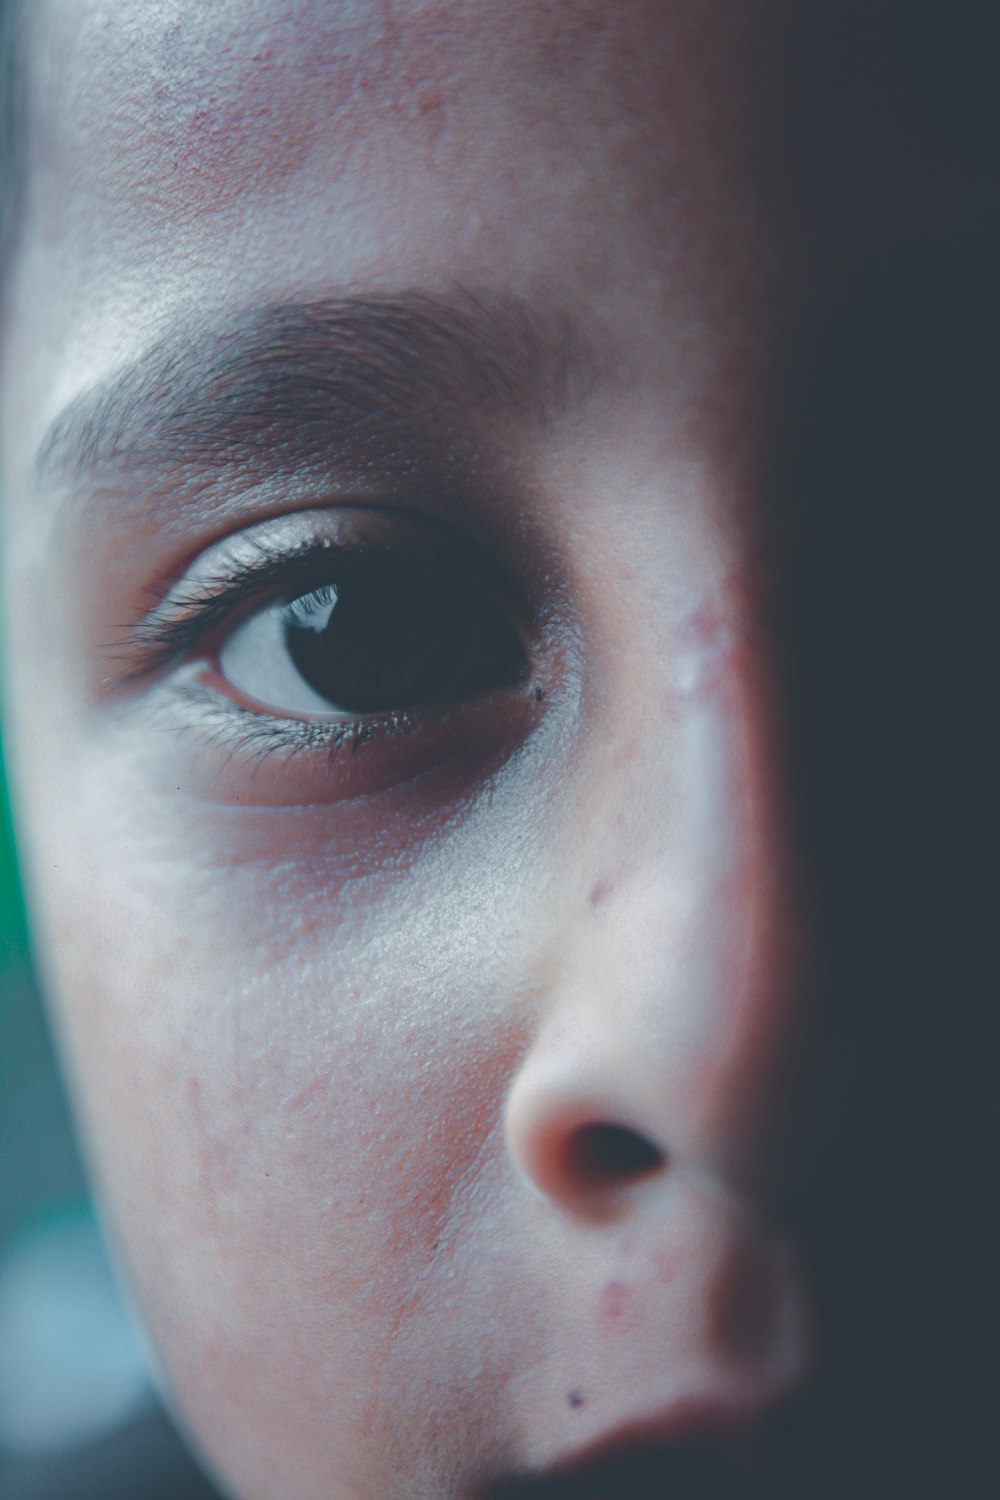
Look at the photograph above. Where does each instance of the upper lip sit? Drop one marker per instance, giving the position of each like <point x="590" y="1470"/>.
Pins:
<point x="692" y="1451"/>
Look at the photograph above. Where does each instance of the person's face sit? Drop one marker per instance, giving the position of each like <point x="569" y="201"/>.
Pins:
<point x="393" y="399"/>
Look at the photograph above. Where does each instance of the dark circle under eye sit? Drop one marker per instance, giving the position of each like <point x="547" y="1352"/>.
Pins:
<point x="381" y="637"/>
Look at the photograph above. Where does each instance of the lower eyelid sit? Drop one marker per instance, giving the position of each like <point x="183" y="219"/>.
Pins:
<point x="224" y="751"/>
<point x="258" y="728"/>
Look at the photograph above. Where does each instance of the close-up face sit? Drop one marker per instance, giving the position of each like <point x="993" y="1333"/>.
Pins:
<point x="412" y="448"/>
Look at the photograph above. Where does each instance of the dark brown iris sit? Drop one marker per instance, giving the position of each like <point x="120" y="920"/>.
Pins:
<point x="394" y="638"/>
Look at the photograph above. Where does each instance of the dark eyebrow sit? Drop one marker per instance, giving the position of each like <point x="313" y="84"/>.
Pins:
<point x="296" y="380"/>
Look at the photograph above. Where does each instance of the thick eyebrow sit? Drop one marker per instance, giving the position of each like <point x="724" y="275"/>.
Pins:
<point x="303" y="380"/>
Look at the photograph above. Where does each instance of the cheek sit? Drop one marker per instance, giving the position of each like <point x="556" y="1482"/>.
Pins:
<point x="291" y="1087"/>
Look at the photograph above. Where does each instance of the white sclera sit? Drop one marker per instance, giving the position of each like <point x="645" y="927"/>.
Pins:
<point x="255" y="661"/>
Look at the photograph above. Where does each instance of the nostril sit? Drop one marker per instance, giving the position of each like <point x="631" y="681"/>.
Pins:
<point x="605" y="1155"/>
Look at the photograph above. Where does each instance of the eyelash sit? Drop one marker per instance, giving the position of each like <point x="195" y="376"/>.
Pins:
<point x="245" y="732"/>
<point x="192" y="619"/>
<point x="196" y="624"/>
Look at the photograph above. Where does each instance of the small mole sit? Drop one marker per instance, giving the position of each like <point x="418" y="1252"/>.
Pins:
<point x="539" y="695"/>
<point x="574" y="1397"/>
<point x="598" y="893"/>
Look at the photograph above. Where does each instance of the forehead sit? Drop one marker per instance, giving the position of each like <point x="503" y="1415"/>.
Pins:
<point x="224" y="97"/>
<point x="198" y="106"/>
<point x="163" y="116"/>
<point x="368" y="54"/>
<point x="183" y="154"/>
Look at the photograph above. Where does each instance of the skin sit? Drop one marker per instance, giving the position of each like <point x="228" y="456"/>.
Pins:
<point x="334" y="1029"/>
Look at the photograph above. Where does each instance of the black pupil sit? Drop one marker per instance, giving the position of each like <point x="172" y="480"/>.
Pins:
<point x="393" y="639"/>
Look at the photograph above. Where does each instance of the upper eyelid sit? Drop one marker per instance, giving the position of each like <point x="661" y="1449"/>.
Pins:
<point x="169" y="630"/>
<point x="429" y="530"/>
<point x="190" y="613"/>
<point x="165" y="632"/>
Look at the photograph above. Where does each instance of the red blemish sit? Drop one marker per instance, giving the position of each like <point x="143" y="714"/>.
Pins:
<point x="614" y="1300"/>
<point x="717" y="631"/>
<point x="707" y="625"/>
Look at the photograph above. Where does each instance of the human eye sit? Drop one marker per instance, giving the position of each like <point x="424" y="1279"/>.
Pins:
<point x="376" y="636"/>
<point x="341" y="651"/>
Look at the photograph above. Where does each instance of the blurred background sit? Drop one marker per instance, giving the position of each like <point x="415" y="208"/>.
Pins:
<point x="79" y="1415"/>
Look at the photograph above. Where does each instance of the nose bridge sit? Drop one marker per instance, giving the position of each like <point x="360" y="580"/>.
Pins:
<point x="733" y="979"/>
<point x="680" y="984"/>
<point x="643" y="1110"/>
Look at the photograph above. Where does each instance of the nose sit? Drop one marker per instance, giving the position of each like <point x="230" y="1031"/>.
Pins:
<point x="673" y="1040"/>
<point x="660" y="1087"/>
<point x="673" y="1030"/>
